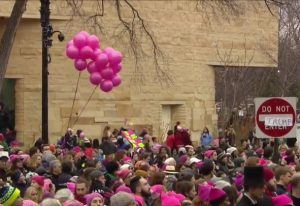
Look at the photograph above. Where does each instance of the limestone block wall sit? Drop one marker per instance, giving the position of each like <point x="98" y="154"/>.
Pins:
<point x="183" y="35"/>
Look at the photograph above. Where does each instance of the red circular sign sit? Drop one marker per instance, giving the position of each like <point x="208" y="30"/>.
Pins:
<point x="277" y="112"/>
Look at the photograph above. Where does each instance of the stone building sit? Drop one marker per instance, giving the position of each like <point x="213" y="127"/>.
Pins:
<point x="189" y="39"/>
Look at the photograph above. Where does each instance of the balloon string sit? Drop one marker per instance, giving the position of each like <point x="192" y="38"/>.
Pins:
<point x="86" y="103"/>
<point x="74" y="99"/>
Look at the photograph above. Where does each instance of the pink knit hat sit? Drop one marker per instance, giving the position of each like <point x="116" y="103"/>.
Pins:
<point x="29" y="203"/>
<point x="239" y="181"/>
<point x="263" y="162"/>
<point x="88" y="152"/>
<point x="89" y="197"/>
<point x="76" y="149"/>
<point x="156" y="148"/>
<point x="123" y="174"/>
<point x="167" y="200"/>
<point x="183" y="159"/>
<point x="126" y="159"/>
<point x="72" y="203"/>
<point x="139" y="200"/>
<point x="123" y="188"/>
<point x="178" y="196"/>
<point x="13" y="157"/>
<point x="216" y="194"/>
<point x="81" y="135"/>
<point x="209" y="153"/>
<point x="282" y="200"/>
<point x="24" y="157"/>
<point x="259" y="151"/>
<point x="48" y="185"/>
<point x="157" y="189"/>
<point x="204" y="191"/>
<point x="71" y="186"/>
<point x="38" y="179"/>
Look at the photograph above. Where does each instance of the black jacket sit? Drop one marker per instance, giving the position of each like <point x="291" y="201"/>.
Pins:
<point x="98" y="187"/>
<point x="245" y="201"/>
<point x="62" y="181"/>
<point x="266" y="201"/>
<point x="108" y="148"/>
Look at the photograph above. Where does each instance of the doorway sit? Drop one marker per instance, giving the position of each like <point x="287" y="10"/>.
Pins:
<point x="7" y="98"/>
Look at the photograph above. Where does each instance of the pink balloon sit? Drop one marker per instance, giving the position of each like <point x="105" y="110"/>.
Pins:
<point x="80" y="40"/>
<point x="91" y="67"/>
<point x="107" y="73"/>
<point x="80" y="64"/>
<point x="96" y="53"/>
<point x="101" y="60"/>
<point x="108" y="50"/>
<point x="71" y="42"/>
<point x="84" y="33"/>
<point x="95" y="78"/>
<point x="86" y="52"/>
<point x="93" y="41"/>
<point x="116" y="68"/>
<point x="116" y="80"/>
<point x="72" y="52"/>
<point x="115" y="58"/>
<point x="106" y="86"/>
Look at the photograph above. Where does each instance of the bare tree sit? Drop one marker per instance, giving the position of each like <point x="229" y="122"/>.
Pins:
<point x="8" y="36"/>
<point x="134" y="29"/>
<point x="237" y="83"/>
<point x="289" y="47"/>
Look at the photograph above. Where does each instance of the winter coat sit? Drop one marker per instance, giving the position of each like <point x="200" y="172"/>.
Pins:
<point x="98" y="187"/>
<point x="171" y="141"/>
<point x="108" y="148"/>
<point x="245" y="201"/>
<point x="206" y="139"/>
<point x="62" y="180"/>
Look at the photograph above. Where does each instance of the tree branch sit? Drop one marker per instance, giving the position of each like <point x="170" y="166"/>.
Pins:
<point x="8" y="36"/>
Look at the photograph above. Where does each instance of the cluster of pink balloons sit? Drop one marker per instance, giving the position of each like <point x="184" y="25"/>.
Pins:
<point x="103" y="66"/>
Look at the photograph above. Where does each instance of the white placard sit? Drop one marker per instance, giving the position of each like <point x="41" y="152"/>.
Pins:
<point x="278" y="122"/>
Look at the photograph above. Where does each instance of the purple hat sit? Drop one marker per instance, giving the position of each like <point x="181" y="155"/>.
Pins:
<point x="183" y="159"/>
<point x="282" y="200"/>
<point x="123" y="188"/>
<point x="216" y="196"/>
<point x="204" y="191"/>
<point x="89" y="197"/>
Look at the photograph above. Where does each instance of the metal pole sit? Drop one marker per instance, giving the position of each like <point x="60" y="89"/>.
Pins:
<point x="46" y="43"/>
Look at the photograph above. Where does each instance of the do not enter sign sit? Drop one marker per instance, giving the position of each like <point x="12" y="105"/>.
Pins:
<point x="275" y="117"/>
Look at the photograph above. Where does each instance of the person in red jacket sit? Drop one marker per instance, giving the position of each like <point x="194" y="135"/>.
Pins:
<point x="170" y="142"/>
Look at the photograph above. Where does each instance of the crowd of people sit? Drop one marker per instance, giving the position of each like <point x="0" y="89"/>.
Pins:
<point x="78" y="171"/>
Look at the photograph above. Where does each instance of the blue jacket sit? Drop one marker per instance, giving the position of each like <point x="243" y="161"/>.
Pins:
<point x="206" y="139"/>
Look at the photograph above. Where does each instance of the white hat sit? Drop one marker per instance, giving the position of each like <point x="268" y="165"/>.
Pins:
<point x="4" y="154"/>
<point x="222" y="184"/>
<point x="170" y="161"/>
<point x="194" y="160"/>
<point x="125" y="166"/>
<point x="182" y="149"/>
<point x="170" y="169"/>
<point x="230" y="150"/>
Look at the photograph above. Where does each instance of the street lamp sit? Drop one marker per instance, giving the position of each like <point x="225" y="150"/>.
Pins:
<point x="47" y="33"/>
